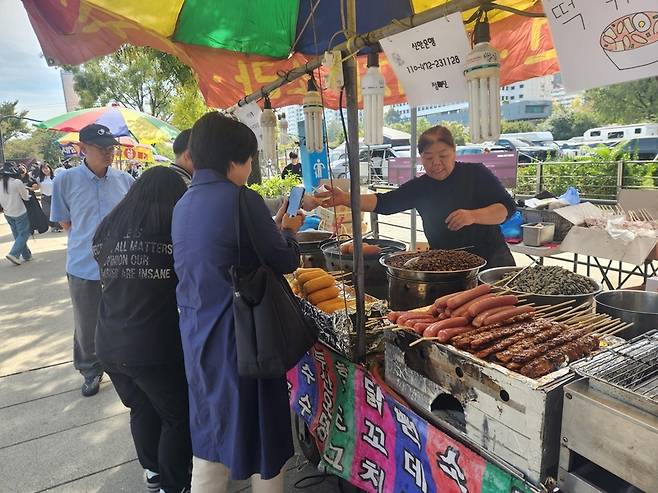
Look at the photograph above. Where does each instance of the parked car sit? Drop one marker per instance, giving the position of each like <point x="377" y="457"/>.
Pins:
<point x="528" y="152"/>
<point x="373" y="163"/>
<point x="641" y="148"/>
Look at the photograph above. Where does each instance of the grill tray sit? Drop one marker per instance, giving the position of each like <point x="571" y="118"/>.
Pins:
<point x="628" y="371"/>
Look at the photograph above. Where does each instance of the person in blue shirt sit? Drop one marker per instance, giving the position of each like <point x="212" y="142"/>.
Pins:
<point x="82" y="197"/>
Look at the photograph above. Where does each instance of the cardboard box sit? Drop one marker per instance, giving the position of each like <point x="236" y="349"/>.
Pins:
<point x="652" y="284"/>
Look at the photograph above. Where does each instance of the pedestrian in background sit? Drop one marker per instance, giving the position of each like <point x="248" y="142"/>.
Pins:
<point x="183" y="165"/>
<point x="82" y="197"/>
<point x="45" y="178"/>
<point x="12" y="194"/>
<point x="137" y="337"/>
<point x="294" y="168"/>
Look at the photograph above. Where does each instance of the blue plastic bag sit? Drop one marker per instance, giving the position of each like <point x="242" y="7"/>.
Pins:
<point x="571" y="196"/>
<point x="512" y="227"/>
<point x="310" y="222"/>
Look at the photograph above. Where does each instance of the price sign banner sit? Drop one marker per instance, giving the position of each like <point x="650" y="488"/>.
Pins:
<point x="429" y="61"/>
<point x="602" y="42"/>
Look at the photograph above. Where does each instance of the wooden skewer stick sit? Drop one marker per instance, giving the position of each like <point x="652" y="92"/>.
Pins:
<point x="554" y="314"/>
<point x="422" y="339"/>
<point x="580" y="309"/>
<point x="620" y="329"/>
<point x="552" y="307"/>
<point x="562" y="315"/>
<point x="601" y="331"/>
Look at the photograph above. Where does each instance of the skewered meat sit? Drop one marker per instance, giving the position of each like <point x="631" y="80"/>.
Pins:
<point x="507" y="314"/>
<point x="495" y="335"/>
<point x="468" y="295"/>
<point x="445" y="335"/>
<point x="476" y="308"/>
<point x="529" y="329"/>
<point x="463" y="341"/>
<point x="462" y="311"/>
<point x="552" y="360"/>
<point x="526" y="355"/>
<point x="553" y="331"/>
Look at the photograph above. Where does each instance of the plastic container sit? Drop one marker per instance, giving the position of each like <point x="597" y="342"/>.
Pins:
<point x="538" y="234"/>
<point x="562" y="226"/>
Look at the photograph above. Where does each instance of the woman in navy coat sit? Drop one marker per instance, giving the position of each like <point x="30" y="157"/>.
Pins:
<point x="240" y="426"/>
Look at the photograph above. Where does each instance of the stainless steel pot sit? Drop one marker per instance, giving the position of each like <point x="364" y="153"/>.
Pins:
<point x="637" y="307"/>
<point x="374" y="273"/>
<point x="310" y="243"/>
<point x="491" y="276"/>
<point x="408" y="289"/>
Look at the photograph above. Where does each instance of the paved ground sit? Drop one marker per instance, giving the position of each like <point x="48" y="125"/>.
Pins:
<point x="51" y="438"/>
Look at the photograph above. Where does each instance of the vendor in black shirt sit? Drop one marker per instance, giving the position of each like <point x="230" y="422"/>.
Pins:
<point x="294" y="168"/>
<point x="461" y="204"/>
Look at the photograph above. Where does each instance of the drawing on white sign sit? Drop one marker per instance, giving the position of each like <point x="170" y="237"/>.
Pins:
<point x="617" y="40"/>
<point x="318" y="167"/>
<point x="632" y="40"/>
<point x="429" y="61"/>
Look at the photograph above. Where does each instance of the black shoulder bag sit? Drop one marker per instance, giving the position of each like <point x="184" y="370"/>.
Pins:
<point x="270" y="330"/>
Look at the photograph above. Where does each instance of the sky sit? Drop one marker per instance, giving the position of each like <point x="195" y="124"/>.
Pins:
<point x="24" y="74"/>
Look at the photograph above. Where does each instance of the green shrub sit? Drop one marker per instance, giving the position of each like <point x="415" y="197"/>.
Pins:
<point x="276" y="186"/>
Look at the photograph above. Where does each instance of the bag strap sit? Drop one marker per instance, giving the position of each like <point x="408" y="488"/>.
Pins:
<point x="241" y="207"/>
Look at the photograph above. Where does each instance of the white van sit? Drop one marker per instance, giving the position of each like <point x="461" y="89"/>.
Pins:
<point x="619" y="132"/>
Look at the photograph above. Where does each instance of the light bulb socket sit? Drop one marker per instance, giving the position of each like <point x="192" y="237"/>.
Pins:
<point x="373" y="59"/>
<point x="267" y="105"/>
<point x="482" y="33"/>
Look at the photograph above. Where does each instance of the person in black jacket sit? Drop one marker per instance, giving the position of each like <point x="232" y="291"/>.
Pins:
<point x="294" y="168"/>
<point x="462" y="204"/>
<point x="137" y="337"/>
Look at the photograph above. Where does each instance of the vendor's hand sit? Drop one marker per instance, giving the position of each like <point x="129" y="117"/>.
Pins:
<point x="292" y="223"/>
<point x="334" y="196"/>
<point x="460" y="218"/>
<point x="310" y="202"/>
<point x="280" y="213"/>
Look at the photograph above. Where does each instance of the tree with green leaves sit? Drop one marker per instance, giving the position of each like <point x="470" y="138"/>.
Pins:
<point x="141" y="78"/>
<point x="187" y="106"/>
<point x="392" y="116"/>
<point x="629" y="102"/>
<point x="12" y="127"/>
<point x="41" y="144"/>
<point x="565" y="123"/>
<point x="517" y="126"/>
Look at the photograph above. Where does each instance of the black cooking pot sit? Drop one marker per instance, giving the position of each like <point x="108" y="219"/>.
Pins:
<point x="376" y="283"/>
<point x="310" y="242"/>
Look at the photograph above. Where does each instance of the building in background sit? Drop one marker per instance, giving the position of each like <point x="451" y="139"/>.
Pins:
<point x="71" y="98"/>
<point x="560" y="95"/>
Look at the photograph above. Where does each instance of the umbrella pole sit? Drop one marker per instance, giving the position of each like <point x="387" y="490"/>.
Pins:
<point x="350" y="72"/>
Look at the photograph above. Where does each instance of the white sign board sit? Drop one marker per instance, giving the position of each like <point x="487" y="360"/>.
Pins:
<point x="249" y="114"/>
<point x="428" y="60"/>
<point x="602" y="42"/>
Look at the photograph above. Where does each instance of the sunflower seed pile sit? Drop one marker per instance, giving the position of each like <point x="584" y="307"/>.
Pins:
<point x="551" y="280"/>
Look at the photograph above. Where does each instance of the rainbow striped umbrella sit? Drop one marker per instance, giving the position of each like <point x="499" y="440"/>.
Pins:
<point x="146" y="129"/>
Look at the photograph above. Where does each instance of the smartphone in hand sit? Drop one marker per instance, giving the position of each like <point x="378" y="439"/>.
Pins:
<point x="295" y="200"/>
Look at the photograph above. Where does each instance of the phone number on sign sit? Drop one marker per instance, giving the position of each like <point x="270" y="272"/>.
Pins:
<point x="436" y="63"/>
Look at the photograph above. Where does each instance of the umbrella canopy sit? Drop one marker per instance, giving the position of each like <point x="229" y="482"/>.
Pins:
<point x="146" y="129"/>
<point x="235" y="48"/>
<point x="74" y="138"/>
